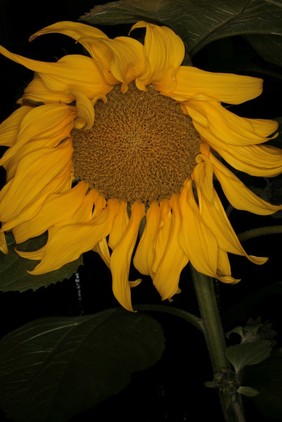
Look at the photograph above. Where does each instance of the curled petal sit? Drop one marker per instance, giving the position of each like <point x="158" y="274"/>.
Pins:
<point x="75" y="30"/>
<point x="164" y="52"/>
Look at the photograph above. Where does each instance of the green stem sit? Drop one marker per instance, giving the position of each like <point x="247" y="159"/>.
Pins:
<point x="213" y="331"/>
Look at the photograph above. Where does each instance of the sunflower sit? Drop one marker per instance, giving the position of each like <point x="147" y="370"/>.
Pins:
<point x="117" y="151"/>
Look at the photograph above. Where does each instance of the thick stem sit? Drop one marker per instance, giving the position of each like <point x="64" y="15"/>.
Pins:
<point x="211" y="322"/>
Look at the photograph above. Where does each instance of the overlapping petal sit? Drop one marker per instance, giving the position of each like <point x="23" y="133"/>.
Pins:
<point x="9" y="128"/>
<point x="51" y="123"/>
<point x="227" y="127"/>
<point x="84" y="237"/>
<point x="21" y="198"/>
<point x="67" y="202"/>
<point x="164" y="52"/>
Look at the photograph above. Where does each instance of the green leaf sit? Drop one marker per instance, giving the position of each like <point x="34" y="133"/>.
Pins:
<point x="266" y="377"/>
<point x="244" y="354"/>
<point x="54" y="368"/>
<point x="198" y="22"/>
<point x="248" y="391"/>
<point x="13" y="268"/>
<point x="268" y="47"/>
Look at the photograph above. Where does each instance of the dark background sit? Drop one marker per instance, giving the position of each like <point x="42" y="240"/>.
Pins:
<point x="173" y="390"/>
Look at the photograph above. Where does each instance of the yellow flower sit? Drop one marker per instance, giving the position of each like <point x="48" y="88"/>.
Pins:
<point x="117" y="152"/>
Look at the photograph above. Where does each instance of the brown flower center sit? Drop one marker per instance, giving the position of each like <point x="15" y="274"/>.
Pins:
<point x="141" y="147"/>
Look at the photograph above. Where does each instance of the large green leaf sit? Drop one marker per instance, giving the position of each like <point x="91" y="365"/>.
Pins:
<point x="266" y="377"/>
<point x="54" y="368"/>
<point x="13" y="268"/>
<point x="198" y="22"/>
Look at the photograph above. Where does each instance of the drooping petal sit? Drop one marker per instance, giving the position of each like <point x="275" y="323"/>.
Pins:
<point x="195" y="238"/>
<point x="66" y="202"/>
<point x="67" y="243"/>
<point x="162" y="235"/>
<point x="228" y="127"/>
<point x="71" y="72"/>
<point x="166" y="278"/>
<point x="195" y="84"/>
<point x="224" y="269"/>
<point x="102" y="249"/>
<point x="121" y="257"/>
<point x="164" y="52"/>
<point x="145" y="253"/>
<point x="237" y="193"/>
<point x="214" y="216"/>
<point x="120" y="225"/>
<point x="9" y="128"/>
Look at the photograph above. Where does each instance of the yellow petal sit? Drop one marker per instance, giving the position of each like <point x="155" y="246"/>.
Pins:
<point x="224" y="270"/>
<point x="66" y="243"/>
<point x="195" y="238"/>
<point x="85" y="111"/>
<point x="71" y="72"/>
<point x="120" y="225"/>
<point x="214" y="216"/>
<point x="43" y="166"/>
<point x="145" y="252"/>
<point x="74" y="30"/>
<point x="121" y="257"/>
<point x="238" y="194"/>
<point x="196" y="84"/>
<point x="162" y="235"/>
<point x="228" y="127"/>
<point x="38" y="93"/>
<point x="103" y="250"/>
<point x="3" y="243"/>
<point x="9" y="128"/>
<point x="52" y="123"/>
<point x="174" y="259"/>
<point x="57" y="209"/>
<point x="256" y="160"/>
<point x="128" y="60"/>
<point x="164" y="52"/>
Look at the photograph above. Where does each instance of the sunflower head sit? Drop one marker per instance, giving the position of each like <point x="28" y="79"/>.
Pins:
<point x="117" y="151"/>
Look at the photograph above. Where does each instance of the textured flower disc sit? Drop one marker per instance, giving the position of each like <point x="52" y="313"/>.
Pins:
<point x="141" y="146"/>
